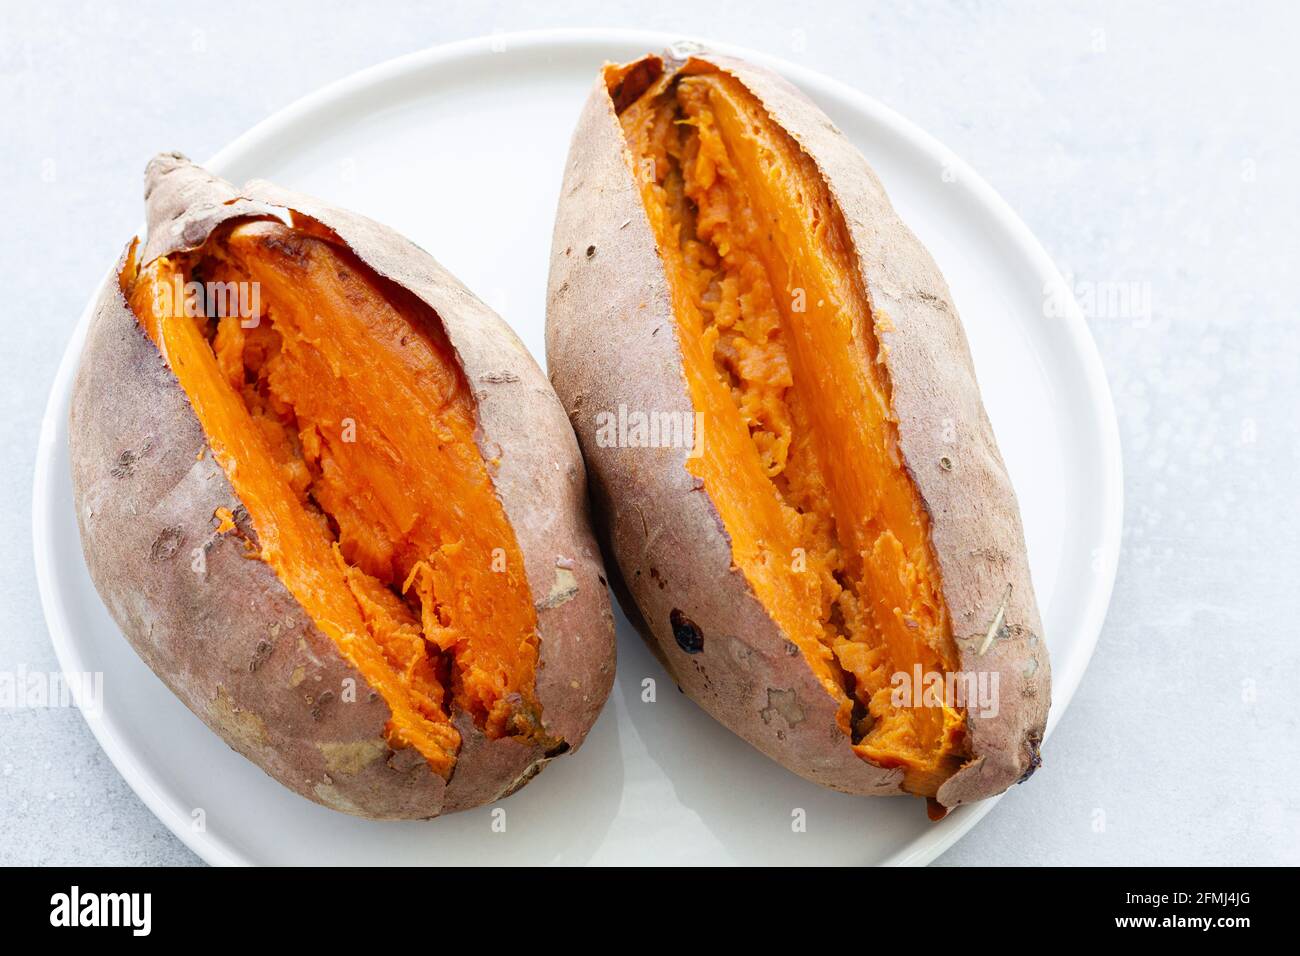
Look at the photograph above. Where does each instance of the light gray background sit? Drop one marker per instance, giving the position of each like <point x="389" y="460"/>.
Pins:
<point x="1144" y="143"/>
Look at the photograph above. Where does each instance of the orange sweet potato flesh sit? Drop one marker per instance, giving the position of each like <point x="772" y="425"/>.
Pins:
<point x="346" y="428"/>
<point x="800" y="454"/>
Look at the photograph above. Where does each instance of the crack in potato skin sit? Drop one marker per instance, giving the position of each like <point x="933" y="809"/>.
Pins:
<point x="391" y="537"/>
<point x="801" y="461"/>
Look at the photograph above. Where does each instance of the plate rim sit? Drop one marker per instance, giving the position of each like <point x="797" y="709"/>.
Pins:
<point x="216" y="850"/>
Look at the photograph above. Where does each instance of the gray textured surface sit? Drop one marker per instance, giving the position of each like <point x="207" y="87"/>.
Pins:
<point x="1143" y="143"/>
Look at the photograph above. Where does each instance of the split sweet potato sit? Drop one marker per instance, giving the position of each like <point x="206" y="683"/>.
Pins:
<point x="834" y="566"/>
<point x="334" y="504"/>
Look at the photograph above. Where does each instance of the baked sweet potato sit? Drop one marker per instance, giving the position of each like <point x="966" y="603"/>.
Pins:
<point x="334" y="504"/>
<point x="833" y="564"/>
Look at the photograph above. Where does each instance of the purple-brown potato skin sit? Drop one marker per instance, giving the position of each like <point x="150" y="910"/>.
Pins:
<point x="611" y="339"/>
<point x="220" y="629"/>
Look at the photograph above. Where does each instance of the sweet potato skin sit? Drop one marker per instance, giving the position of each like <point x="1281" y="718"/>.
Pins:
<point x="221" y="630"/>
<point x="611" y="339"/>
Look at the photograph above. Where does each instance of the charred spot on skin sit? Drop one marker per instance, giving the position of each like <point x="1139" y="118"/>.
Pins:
<point x="687" y="633"/>
<point x="591" y="252"/>
<point x="945" y="463"/>
<point x="1035" y="758"/>
<point x="706" y="681"/>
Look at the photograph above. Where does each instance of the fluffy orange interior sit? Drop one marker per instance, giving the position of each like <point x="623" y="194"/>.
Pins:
<point x="800" y="453"/>
<point x="346" y="428"/>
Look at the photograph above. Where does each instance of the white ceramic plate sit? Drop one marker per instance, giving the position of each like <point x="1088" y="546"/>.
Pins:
<point x="461" y="148"/>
